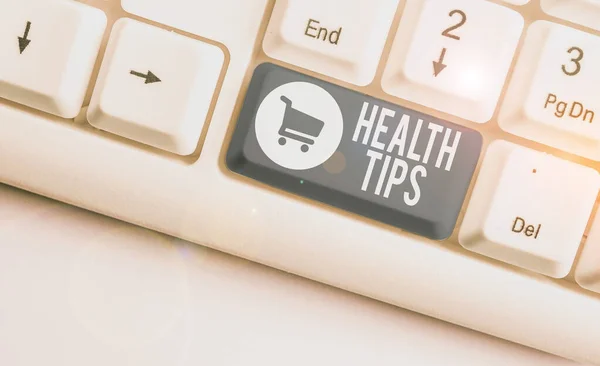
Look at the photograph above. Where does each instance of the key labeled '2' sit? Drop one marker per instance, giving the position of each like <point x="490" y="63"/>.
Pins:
<point x="453" y="56"/>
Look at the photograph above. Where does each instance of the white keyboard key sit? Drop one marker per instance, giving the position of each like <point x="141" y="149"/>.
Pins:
<point x="339" y="38"/>
<point x="48" y="50"/>
<point x="453" y="56"/>
<point x="584" y="12"/>
<point x="155" y="86"/>
<point x="587" y="272"/>
<point x="553" y="94"/>
<point x="529" y="209"/>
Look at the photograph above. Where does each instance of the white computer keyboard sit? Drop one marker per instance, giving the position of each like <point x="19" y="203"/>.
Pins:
<point x="439" y="155"/>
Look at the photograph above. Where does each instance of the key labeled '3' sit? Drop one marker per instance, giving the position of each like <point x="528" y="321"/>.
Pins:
<point x="568" y="109"/>
<point x="557" y="103"/>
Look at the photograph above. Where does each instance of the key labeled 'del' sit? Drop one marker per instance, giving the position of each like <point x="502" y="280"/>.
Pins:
<point x="529" y="209"/>
<point x="520" y="226"/>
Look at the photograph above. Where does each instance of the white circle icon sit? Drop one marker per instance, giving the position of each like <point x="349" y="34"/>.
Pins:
<point x="299" y="125"/>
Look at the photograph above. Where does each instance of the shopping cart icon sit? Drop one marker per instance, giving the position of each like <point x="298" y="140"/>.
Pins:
<point x="299" y="126"/>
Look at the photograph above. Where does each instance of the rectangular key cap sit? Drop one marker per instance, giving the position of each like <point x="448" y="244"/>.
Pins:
<point x="349" y="150"/>
<point x="155" y="86"/>
<point x="48" y="53"/>
<point x="587" y="272"/>
<point x="453" y="56"/>
<point x="553" y="94"/>
<point x="529" y="209"/>
<point x="584" y="12"/>
<point x="338" y="38"/>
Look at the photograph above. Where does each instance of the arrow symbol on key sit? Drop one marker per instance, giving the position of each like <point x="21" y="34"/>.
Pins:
<point x="439" y="66"/>
<point x="150" y="77"/>
<point x="23" y="41"/>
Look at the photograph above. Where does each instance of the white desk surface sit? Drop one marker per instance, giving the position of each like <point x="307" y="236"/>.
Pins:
<point x="79" y="289"/>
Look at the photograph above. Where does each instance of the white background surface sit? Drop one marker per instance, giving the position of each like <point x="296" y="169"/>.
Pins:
<point x="81" y="289"/>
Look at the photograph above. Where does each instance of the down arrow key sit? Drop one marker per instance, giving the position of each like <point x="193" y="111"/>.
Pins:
<point x="23" y="41"/>
<point x="439" y="66"/>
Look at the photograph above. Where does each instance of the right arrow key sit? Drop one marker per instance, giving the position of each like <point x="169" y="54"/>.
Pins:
<point x="149" y="77"/>
<point x="155" y="87"/>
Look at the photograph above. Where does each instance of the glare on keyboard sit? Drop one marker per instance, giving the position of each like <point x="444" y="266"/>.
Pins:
<point x="475" y="57"/>
<point x="473" y="81"/>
